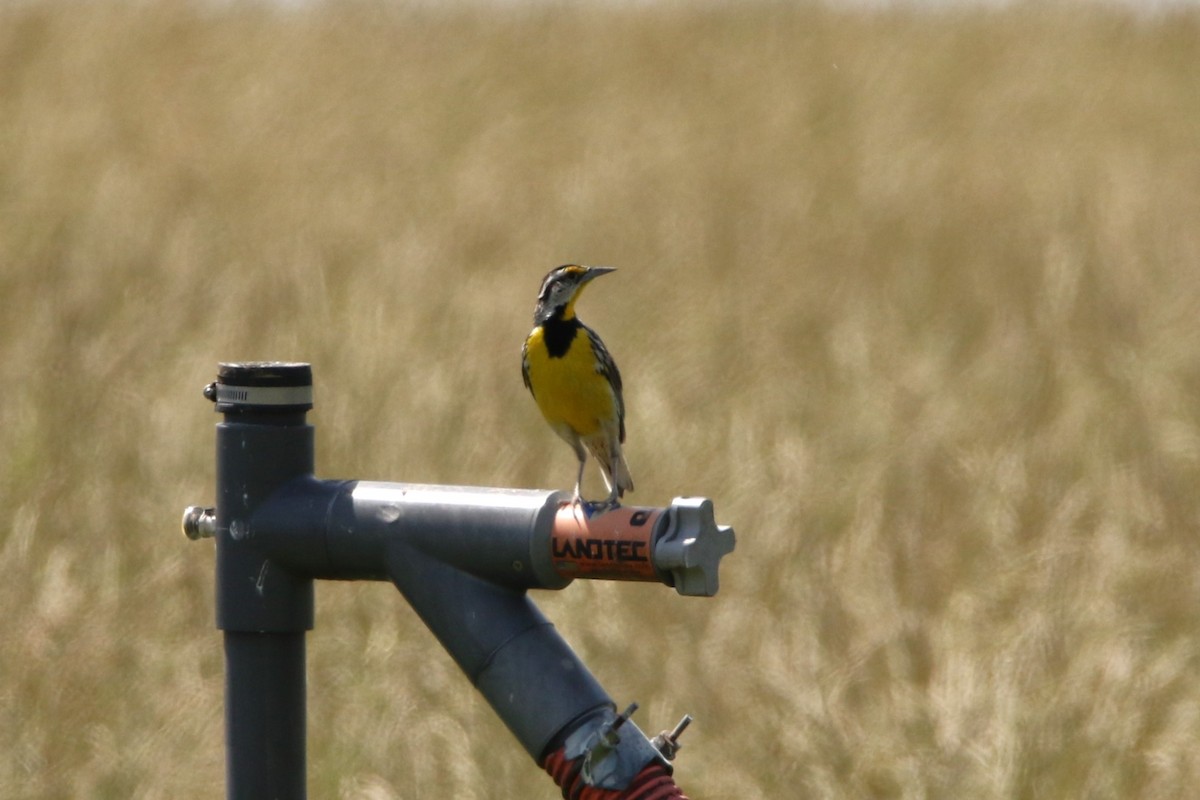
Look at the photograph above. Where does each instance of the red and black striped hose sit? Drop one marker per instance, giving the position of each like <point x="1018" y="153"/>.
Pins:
<point x="652" y="783"/>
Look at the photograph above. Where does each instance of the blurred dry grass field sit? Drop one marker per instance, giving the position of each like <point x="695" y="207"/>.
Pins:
<point x="912" y="296"/>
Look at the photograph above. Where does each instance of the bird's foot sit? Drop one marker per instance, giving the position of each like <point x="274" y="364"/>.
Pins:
<point x="593" y="508"/>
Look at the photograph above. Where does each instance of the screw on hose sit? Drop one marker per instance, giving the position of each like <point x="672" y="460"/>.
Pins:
<point x="608" y="734"/>
<point x="667" y="742"/>
<point x="199" y="522"/>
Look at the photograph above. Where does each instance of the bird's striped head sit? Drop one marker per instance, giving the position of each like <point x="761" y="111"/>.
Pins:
<point x="561" y="288"/>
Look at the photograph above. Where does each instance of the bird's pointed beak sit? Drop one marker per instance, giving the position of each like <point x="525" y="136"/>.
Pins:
<point x="596" y="272"/>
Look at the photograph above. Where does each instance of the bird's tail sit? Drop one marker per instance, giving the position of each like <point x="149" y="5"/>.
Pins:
<point x="612" y="462"/>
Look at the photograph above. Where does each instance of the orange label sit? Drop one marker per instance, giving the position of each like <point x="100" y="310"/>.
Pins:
<point x="614" y="545"/>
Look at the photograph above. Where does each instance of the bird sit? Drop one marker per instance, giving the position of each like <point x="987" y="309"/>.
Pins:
<point x="576" y="383"/>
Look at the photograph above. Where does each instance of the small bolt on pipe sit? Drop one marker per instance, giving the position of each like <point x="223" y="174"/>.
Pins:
<point x="199" y="522"/>
<point x="667" y="742"/>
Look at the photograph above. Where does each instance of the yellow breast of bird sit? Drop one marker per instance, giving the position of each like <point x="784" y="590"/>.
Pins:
<point x="568" y="389"/>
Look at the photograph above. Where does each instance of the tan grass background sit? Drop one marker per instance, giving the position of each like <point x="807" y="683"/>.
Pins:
<point x="912" y="296"/>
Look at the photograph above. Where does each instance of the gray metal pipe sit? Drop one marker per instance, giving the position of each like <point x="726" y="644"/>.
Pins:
<point x="462" y="558"/>
<point x="263" y="443"/>
<point x="518" y="538"/>
<point x="343" y="530"/>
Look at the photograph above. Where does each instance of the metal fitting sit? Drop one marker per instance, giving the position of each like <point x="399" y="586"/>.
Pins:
<point x="692" y="547"/>
<point x="608" y="760"/>
<point x="667" y="742"/>
<point x="199" y="522"/>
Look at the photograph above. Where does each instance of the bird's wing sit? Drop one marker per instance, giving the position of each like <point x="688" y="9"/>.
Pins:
<point x="608" y="368"/>
<point x="525" y="366"/>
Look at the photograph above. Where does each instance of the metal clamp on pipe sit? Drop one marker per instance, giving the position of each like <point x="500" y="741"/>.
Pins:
<point x="607" y="753"/>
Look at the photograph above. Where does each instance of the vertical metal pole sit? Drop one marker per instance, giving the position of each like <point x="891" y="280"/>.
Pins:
<point x="264" y="716"/>
<point x="263" y="609"/>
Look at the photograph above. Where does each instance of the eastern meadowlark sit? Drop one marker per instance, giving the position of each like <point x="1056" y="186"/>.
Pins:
<point x="576" y="382"/>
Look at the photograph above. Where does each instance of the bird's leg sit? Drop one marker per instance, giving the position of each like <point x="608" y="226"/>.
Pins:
<point x="579" y="480"/>
<point x="609" y="503"/>
<point x="578" y="500"/>
<point x="614" y="497"/>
